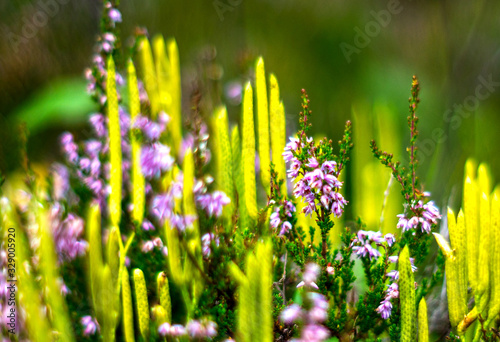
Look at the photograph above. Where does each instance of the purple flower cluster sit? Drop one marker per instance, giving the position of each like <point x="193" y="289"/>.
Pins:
<point x="87" y="161"/>
<point x="151" y="130"/>
<point x="149" y="245"/>
<point x="385" y="307"/>
<point x="213" y="203"/>
<point x="319" y="183"/>
<point x="67" y="233"/>
<point x="115" y="16"/>
<point x="312" y="318"/>
<point x="90" y="325"/>
<point x="361" y="245"/>
<point x="155" y="156"/>
<point x="108" y="42"/>
<point x="156" y="159"/>
<point x="425" y="215"/>
<point x="194" y="329"/>
<point x="279" y="218"/>
<point x="206" y="241"/>
<point x="163" y="205"/>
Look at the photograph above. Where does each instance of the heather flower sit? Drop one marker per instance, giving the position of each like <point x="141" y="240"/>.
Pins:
<point x="115" y="15"/>
<point x="147" y="225"/>
<point x="147" y="246"/>
<point x="70" y="149"/>
<point x="393" y="274"/>
<point x="390" y="239"/>
<point x="365" y="250"/>
<point x="285" y="228"/>
<point x="90" y="325"/>
<point x="171" y="330"/>
<point x="162" y="206"/>
<point x="206" y="241"/>
<point x="197" y="329"/>
<point x="314" y="333"/>
<point x="98" y="123"/>
<point x="291" y="314"/>
<point x="213" y="203"/>
<point x="164" y="329"/>
<point x="384" y="309"/>
<point x="319" y="184"/>
<point x="317" y="313"/>
<point x="361" y="245"/>
<point x="93" y="148"/>
<point x="177" y="330"/>
<point x="393" y="290"/>
<point x="275" y="218"/>
<point x="155" y="159"/>
<point x="425" y="215"/>
<point x="310" y="275"/>
<point x="107" y="47"/>
<point x="151" y="129"/>
<point x="67" y="234"/>
<point x="279" y="218"/>
<point x="109" y="37"/>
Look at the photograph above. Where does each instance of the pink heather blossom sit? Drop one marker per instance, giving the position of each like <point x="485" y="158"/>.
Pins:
<point x="147" y="246"/>
<point x="393" y="290"/>
<point x="147" y="225"/>
<point x="213" y="203"/>
<point x="206" y="241"/>
<point x="314" y="333"/>
<point x="279" y="218"/>
<point x="98" y="123"/>
<point x="164" y="329"/>
<point x="362" y="243"/>
<point x="155" y="159"/>
<point x="291" y="314"/>
<point x="385" y="309"/>
<point x="90" y="325"/>
<point x="275" y="218"/>
<point x="426" y="215"/>
<point x="115" y="15"/>
<point x="70" y="149"/>
<point x="393" y="274"/>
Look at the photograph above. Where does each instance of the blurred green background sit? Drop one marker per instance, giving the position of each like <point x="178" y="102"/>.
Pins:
<point x="449" y="45"/>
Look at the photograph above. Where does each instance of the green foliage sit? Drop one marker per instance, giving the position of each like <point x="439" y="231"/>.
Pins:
<point x="141" y="302"/>
<point x="407" y="297"/>
<point x="254" y="293"/>
<point x="115" y="149"/>
<point x="423" y="329"/>
<point x="128" y="313"/>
